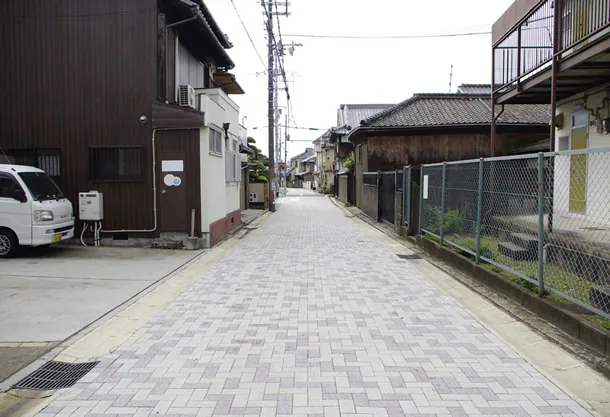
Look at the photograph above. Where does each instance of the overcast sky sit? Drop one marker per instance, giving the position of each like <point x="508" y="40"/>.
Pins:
<point x="330" y="72"/>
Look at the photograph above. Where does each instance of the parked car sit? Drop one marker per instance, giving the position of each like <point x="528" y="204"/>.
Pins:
<point x="33" y="210"/>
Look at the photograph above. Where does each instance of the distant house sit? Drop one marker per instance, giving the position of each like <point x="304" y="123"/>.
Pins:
<point x="301" y="170"/>
<point x="430" y="128"/>
<point x="325" y="159"/>
<point x="348" y="119"/>
<point x="130" y="98"/>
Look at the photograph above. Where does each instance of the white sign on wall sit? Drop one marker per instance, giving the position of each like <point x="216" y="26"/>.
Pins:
<point x="172" y="166"/>
<point x="426" y="182"/>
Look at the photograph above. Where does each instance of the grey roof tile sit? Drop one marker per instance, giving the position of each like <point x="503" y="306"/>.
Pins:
<point x="425" y="110"/>
<point x="352" y="114"/>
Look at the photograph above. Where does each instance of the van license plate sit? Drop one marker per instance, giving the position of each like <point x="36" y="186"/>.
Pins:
<point x="57" y="237"/>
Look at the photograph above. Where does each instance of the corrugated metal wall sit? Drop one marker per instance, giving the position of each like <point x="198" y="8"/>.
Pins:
<point x="77" y="74"/>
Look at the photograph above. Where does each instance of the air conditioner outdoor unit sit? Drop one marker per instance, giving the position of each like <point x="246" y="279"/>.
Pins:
<point x="186" y="96"/>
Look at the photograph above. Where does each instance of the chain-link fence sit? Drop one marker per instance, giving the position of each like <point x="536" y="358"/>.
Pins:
<point x="544" y="218"/>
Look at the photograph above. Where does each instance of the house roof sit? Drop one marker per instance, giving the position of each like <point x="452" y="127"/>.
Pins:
<point x="202" y="35"/>
<point x="310" y="159"/>
<point x="350" y="115"/>
<point x="483" y="89"/>
<point x="308" y="152"/>
<point x="429" y="110"/>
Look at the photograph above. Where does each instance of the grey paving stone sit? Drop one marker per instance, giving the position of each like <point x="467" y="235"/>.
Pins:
<point x="310" y="314"/>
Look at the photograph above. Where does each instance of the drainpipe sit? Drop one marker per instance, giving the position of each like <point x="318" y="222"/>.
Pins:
<point x="176" y="66"/>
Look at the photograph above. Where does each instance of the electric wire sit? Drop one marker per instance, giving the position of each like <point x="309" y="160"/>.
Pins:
<point x="248" y="34"/>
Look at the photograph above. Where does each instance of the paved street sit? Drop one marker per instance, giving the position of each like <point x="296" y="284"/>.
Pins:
<point x="310" y="315"/>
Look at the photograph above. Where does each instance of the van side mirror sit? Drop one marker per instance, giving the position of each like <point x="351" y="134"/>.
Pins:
<point x="19" y="195"/>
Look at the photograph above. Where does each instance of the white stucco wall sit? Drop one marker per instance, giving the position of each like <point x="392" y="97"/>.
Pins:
<point x="598" y="164"/>
<point x="218" y="198"/>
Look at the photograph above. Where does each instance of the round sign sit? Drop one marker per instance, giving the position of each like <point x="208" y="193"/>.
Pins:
<point x="177" y="181"/>
<point x="169" y="180"/>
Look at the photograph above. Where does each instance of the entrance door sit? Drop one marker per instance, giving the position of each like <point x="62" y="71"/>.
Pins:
<point x="578" y="163"/>
<point x="173" y="212"/>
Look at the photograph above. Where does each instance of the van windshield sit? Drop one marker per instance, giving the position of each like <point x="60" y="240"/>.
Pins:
<point x="41" y="186"/>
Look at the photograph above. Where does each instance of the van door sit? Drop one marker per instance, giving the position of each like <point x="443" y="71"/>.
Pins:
<point x="15" y="215"/>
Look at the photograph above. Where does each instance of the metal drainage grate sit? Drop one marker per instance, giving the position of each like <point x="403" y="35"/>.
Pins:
<point x="411" y="257"/>
<point x="56" y="375"/>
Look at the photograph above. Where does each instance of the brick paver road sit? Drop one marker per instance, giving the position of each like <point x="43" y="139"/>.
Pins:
<point x="310" y="315"/>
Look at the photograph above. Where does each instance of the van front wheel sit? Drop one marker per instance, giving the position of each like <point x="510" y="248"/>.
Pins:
<point x="8" y="244"/>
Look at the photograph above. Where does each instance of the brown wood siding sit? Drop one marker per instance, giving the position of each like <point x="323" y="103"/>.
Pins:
<point x="387" y="153"/>
<point x="80" y="73"/>
<point x="188" y="142"/>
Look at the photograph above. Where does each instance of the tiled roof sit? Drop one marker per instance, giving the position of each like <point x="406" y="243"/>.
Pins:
<point x="308" y="152"/>
<point x="425" y="110"/>
<point x="352" y="114"/>
<point x="483" y="89"/>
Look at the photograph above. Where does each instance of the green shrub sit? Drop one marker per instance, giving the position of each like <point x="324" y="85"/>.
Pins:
<point x="470" y="243"/>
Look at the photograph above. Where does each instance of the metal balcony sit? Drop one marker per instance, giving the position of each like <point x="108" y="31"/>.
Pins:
<point x="523" y="57"/>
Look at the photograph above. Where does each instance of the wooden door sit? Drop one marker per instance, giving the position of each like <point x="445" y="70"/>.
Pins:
<point x="173" y="209"/>
<point x="578" y="165"/>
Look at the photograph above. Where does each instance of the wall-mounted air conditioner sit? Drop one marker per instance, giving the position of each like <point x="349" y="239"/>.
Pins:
<point x="186" y="96"/>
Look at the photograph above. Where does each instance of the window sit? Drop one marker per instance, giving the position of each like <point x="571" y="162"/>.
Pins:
<point x="563" y="143"/>
<point x="232" y="166"/>
<point x="7" y="187"/>
<point x="215" y="142"/>
<point x="116" y="164"/>
<point x="49" y="160"/>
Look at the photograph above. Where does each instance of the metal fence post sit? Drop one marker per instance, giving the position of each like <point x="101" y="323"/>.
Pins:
<point x="379" y="180"/>
<point x="421" y="201"/>
<point x="406" y="189"/>
<point x="540" y="224"/>
<point x="480" y="209"/>
<point x="444" y="180"/>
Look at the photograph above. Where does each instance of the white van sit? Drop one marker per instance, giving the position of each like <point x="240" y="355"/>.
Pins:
<point x="33" y="210"/>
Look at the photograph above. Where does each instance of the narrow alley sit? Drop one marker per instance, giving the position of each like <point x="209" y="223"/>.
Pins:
<point x="284" y="326"/>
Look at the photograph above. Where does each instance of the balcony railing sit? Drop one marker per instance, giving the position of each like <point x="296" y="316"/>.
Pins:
<point x="528" y="48"/>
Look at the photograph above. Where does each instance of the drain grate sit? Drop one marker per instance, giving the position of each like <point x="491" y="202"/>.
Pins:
<point x="409" y="257"/>
<point x="56" y="375"/>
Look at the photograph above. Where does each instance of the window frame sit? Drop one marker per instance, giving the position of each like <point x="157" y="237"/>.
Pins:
<point x="94" y="179"/>
<point x="211" y="139"/>
<point x="38" y="154"/>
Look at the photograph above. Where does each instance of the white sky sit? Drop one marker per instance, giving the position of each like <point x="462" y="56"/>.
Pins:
<point x="330" y="72"/>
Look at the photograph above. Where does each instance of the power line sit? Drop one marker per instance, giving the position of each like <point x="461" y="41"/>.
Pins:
<point x="249" y="37"/>
<point x="446" y="35"/>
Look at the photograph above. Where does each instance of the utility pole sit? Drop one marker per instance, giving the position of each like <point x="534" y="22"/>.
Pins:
<point x="275" y="51"/>
<point x="286" y="139"/>
<point x="270" y="109"/>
